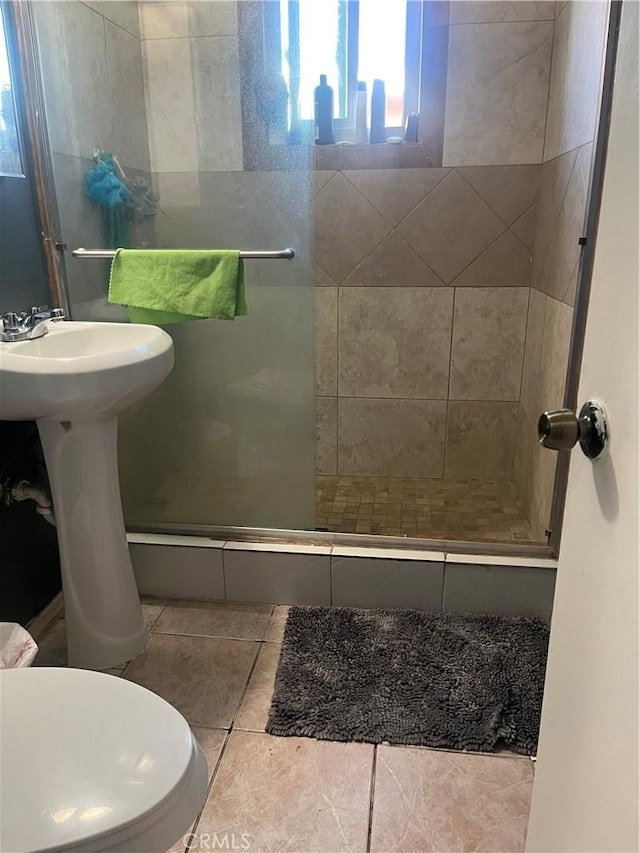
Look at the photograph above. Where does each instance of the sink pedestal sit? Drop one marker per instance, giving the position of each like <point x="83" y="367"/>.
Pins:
<point x="104" y="619"/>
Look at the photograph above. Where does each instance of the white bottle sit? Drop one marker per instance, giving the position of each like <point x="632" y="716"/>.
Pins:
<point x="361" y="112"/>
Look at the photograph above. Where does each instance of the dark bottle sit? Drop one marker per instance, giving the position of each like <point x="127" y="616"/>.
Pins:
<point x="323" y="108"/>
<point x="411" y="134"/>
<point x="378" y="106"/>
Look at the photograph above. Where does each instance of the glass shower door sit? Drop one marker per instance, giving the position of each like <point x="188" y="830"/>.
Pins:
<point x="177" y="92"/>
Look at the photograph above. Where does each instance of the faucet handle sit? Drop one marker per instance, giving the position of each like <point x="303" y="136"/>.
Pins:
<point x="58" y="314"/>
<point x="39" y="309"/>
<point x="11" y="321"/>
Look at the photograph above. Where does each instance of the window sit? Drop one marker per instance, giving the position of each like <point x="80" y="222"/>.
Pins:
<point x="10" y="161"/>
<point x="350" y="41"/>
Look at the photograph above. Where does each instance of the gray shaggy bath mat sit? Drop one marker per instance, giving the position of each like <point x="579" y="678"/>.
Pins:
<point x="450" y="680"/>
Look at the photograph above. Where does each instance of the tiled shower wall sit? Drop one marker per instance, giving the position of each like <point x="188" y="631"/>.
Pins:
<point x="574" y="95"/>
<point x="424" y="273"/>
<point x="92" y="73"/>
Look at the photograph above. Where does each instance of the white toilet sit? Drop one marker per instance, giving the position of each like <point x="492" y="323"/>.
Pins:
<point x="93" y="762"/>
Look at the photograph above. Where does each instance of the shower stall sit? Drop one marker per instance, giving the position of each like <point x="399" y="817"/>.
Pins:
<point x="388" y="378"/>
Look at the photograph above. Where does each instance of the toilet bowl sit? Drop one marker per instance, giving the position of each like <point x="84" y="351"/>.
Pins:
<point x="93" y="762"/>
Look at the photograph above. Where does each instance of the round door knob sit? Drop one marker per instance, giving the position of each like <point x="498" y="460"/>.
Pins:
<point x="558" y="429"/>
<point x="561" y="429"/>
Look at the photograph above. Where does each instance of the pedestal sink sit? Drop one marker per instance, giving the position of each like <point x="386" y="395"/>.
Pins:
<point x="73" y="381"/>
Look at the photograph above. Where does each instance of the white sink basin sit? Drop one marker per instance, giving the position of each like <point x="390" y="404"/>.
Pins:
<point x="81" y="371"/>
<point x="73" y="381"/>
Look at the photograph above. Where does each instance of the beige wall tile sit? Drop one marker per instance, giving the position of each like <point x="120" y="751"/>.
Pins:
<point x="525" y="227"/>
<point x="177" y="19"/>
<point x="393" y="263"/>
<point x="202" y="677"/>
<point x="434" y="801"/>
<point x="171" y="105"/>
<point x="124" y="58"/>
<point x="505" y="263"/>
<point x="395" y="192"/>
<point x="508" y="190"/>
<point x="78" y="104"/>
<point x="326" y="435"/>
<point x="322" y="279"/>
<point x="575" y="86"/>
<point x="556" y="337"/>
<point x="451" y="227"/>
<point x="185" y="78"/>
<point x="347" y="227"/>
<point x="489" y="326"/>
<point x="216" y="83"/>
<point x="394" y="342"/>
<point x="557" y="273"/>
<point x="321" y="178"/>
<point x="492" y="11"/>
<point x="523" y="461"/>
<point x="213" y="17"/>
<point x="543" y="468"/>
<point x="81" y="222"/>
<point x="530" y="394"/>
<point x="403" y="438"/>
<point x="326" y="299"/>
<point x="124" y="13"/>
<point x="291" y="794"/>
<point x="481" y="440"/>
<point x="497" y="85"/>
<point x="553" y="187"/>
<point x="162" y="20"/>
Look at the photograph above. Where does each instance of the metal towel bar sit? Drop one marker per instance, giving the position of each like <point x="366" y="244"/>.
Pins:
<point x="286" y="254"/>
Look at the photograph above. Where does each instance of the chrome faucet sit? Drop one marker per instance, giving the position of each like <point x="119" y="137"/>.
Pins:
<point x="27" y="325"/>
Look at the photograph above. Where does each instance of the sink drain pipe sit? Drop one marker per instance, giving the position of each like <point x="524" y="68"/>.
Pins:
<point x="26" y="491"/>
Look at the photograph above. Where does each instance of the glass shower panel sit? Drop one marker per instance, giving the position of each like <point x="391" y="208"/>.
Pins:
<point x="174" y="92"/>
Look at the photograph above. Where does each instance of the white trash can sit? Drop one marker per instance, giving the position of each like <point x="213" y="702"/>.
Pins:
<point x="17" y="646"/>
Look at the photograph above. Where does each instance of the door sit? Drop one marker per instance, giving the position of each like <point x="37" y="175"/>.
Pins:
<point x="585" y="795"/>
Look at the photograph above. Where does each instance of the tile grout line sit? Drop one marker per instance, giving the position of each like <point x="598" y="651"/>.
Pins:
<point x="372" y="795"/>
<point x="192" y="830"/>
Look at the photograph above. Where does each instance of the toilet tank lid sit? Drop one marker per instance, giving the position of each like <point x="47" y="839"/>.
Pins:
<point x="83" y="754"/>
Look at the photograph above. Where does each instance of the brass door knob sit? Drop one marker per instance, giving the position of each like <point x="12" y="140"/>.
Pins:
<point x="561" y="429"/>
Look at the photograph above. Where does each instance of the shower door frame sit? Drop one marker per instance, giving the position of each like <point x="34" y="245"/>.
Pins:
<point x="37" y="141"/>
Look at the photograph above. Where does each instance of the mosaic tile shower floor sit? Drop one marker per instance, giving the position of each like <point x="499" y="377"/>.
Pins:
<point x="475" y="510"/>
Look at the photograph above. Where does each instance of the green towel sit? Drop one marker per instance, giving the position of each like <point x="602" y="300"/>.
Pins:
<point x="174" y="285"/>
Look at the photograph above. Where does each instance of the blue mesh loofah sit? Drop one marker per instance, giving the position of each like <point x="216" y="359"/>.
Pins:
<point x="104" y="186"/>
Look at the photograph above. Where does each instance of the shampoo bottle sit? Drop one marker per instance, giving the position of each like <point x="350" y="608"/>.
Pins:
<point x="323" y="108"/>
<point x="361" y="112"/>
<point x="378" y="106"/>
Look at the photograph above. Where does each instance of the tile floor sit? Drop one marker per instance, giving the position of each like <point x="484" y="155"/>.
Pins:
<point x="479" y="510"/>
<point x="216" y="663"/>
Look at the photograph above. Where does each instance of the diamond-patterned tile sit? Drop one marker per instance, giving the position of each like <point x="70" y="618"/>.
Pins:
<point x="564" y="250"/>
<point x="505" y="263"/>
<point x="553" y="186"/>
<point x="508" y="190"/>
<point x="525" y="226"/>
<point x="395" y="192"/>
<point x="393" y="263"/>
<point x="347" y="228"/>
<point x="451" y="227"/>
